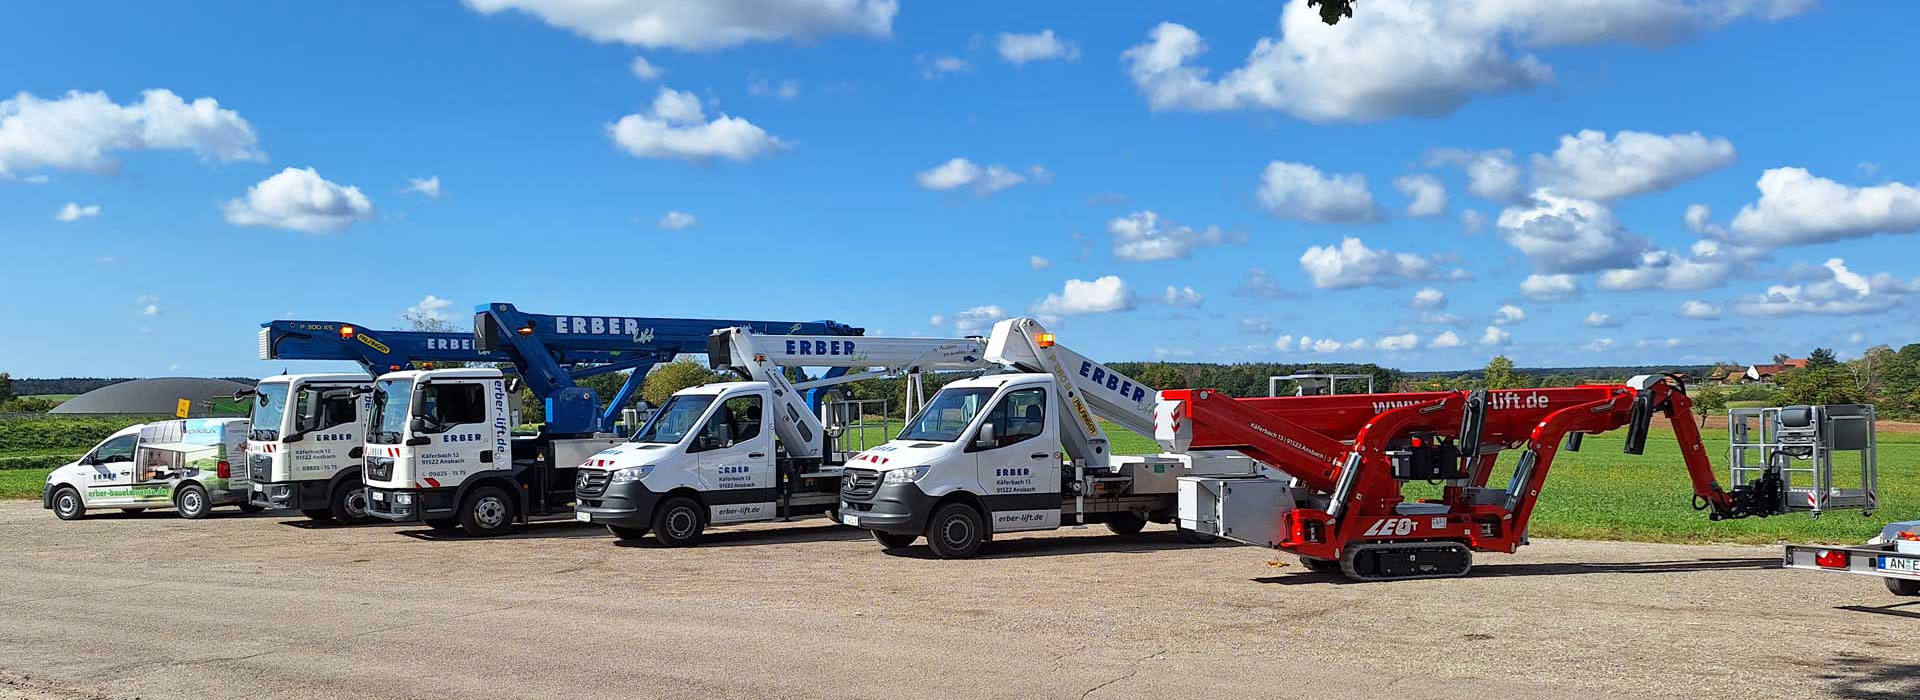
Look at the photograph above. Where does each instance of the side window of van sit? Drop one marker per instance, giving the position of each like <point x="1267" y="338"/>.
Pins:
<point x="119" y="449"/>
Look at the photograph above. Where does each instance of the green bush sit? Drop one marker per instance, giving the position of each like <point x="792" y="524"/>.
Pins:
<point x="59" y="432"/>
<point x="37" y="461"/>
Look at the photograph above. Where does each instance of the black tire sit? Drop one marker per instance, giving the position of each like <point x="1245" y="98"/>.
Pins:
<point x="487" y="512"/>
<point x="956" y="531"/>
<point x="679" y="522"/>
<point x="893" y="541"/>
<point x="348" y="503"/>
<point x="443" y="525"/>
<point x="1196" y="537"/>
<point x="67" y="504"/>
<point x="1902" y="586"/>
<point x="191" y="502"/>
<point x="131" y="511"/>
<point x="627" y="534"/>
<point x="320" y="514"/>
<point x="1321" y="566"/>
<point x="250" y="508"/>
<point x="1126" y="523"/>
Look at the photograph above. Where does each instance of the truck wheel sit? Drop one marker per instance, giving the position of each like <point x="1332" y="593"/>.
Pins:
<point x="67" y="504"/>
<point x="487" y="512"/>
<point x="250" y="508"/>
<point x="1196" y="537"/>
<point x="893" y="541"/>
<point x="191" y="501"/>
<point x="1126" y="523"/>
<point x="317" y="514"/>
<point x="956" y="531"/>
<point x="627" y="534"/>
<point x="678" y="522"/>
<point x="1903" y="586"/>
<point x="349" y="503"/>
<point x="443" y="525"/>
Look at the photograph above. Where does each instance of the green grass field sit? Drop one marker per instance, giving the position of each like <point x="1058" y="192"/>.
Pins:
<point x="22" y="483"/>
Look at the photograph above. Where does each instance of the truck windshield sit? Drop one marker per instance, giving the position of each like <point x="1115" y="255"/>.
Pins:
<point x="390" y="409"/>
<point x="269" y="407"/>
<point x="674" y="420"/>
<point x="947" y="415"/>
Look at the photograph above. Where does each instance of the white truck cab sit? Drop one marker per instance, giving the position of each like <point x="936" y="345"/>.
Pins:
<point x="305" y="448"/>
<point x="708" y="456"/>
<point x="1022" y="450"/>
<point x="190" y="465"/>
<point x="440" y="450"/>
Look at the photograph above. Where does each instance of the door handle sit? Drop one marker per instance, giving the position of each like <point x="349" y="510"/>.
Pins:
<point x="1038" y="455"/>
<point x="757" y="455"/>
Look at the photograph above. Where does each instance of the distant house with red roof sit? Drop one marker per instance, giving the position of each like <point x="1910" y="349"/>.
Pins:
<point x="1766" y="373"/>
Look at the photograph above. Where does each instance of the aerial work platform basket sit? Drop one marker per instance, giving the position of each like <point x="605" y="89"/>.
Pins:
<point x="1800" y="446"/>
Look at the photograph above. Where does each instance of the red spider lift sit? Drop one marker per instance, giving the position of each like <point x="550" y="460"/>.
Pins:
<point x="1349" y="456"/>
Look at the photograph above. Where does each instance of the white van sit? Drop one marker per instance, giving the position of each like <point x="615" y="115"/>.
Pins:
<point x="189" y="465"/>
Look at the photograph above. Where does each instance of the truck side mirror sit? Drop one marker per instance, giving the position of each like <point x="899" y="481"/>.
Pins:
<point x="985" y="439"/>
<point x="417" y="425"/>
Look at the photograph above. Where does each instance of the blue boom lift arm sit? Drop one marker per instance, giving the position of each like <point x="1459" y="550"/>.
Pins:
<point x="378" y="352"/>
<point x="551" y="351"/>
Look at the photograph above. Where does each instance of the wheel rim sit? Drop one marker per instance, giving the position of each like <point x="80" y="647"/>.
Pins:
<point x="957" y="532"/>
<point x="66" y="503"/>
<point x="680" y="522"/>
<point x="190" y="501"/>
<point x="490" y="512"/>
<point x="356" y="503"/>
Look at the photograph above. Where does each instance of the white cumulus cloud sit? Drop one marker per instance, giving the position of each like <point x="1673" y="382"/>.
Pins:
<point x="1446" y="340"/>
<point x="1491" y="174"/>
<point x="1181" y="296"/>
<point x="1429" y="298"/>
<point x="1299" y="191"/>
<point x="645" y="70"/>
<point x="1035" y="262"/>
<point x="1102" y="295"/>
<point x="977" y="320"/>
<point x="1550" y="287"/>
<point x="678" y="221"/>
<point x="431" y="308"/>
<point x="1508" y="315"/>
<point x="1020" y="49"/>
<point x="676" y="127"/>
<point x="299" y="199"/>
<point x="1833" y="290"/>
<point x="1589" y="165"/>
<point x="707" y="24"/>
<point x="1798" y="208"/>
<point x="1494" y="337"/>
<point x="985" y="180"/>
<point x="1143" y="236"/>
<point x="1428" y="195"/>
<point x="1569" y="235"/>
<point x="1709" y="266"/>
<point x="428" y="187"/>
<point x="937" y="67"/>
<point x="1399" y="343"/>
<point x="1695" y="308"/>
<point x="1597" y="319"/>
<point x="73" y="211"/>
<point x="1352" y="264"/>
<point x="84" y="130"/>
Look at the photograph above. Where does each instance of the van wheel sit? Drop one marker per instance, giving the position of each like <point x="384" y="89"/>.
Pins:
<point x="250" y="508"/>
<point x="349" y="503"/>
<point x="67" y="504"/>
<point x="893" y="541"/>
<point x="317" y="514"/>
<point x="1903" y="586"/>
<point x="956" y="531"/>
<point x="678" y="522"/>
<point x="448" y="525"/>
<point x="487" y="512"/>
<point x="627" y="534"/>
<point x="191" y="501"/>
<point x="1126" y="523"/>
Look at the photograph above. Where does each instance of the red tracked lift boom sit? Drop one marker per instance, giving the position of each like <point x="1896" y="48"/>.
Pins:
<point x="1351" y="454"/>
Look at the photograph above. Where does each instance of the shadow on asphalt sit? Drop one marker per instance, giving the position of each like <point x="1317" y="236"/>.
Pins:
<point x="218" y="513"/>
<point x="1143" y="543"/>
<point x="746" y="538"/>
<point x="1867" y="678"/>
<point x="309" y="524"/>
<point x="536" y="530"/>
<point x="1557" y="569"/>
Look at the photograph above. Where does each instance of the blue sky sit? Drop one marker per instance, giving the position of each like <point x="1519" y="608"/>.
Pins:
<point x="828" y="188"/>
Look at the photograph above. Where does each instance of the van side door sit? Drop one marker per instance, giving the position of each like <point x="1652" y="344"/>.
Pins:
<point x="735" y="452"/>
<point x="110" y="471"/>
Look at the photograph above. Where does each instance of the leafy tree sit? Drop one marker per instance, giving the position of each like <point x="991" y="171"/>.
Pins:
<point x="6" y="387"/>
<point x="674" y="376"/>
<point x="1162" y="376"/>
<point x="1822" y="358"/>
<point x="1820" y="385"/>
<point x="1709" y="400"/>
<point x="1500" y="374"/>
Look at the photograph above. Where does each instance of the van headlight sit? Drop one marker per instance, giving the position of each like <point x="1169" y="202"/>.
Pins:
<point x="621" y="476"/>
<point x="904" y="476"/>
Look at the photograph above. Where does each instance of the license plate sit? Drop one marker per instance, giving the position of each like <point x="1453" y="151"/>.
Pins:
<point x="1900" y="564"/>
<point x="583" y="517"/>
<point x="850" y="519"/>
<point x="379" y="495"/>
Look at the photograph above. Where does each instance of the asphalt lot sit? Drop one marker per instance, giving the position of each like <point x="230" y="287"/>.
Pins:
<point x="152" y="606"/>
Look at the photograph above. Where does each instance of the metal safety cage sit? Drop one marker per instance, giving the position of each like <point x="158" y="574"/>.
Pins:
<point x="1800" y="446"/>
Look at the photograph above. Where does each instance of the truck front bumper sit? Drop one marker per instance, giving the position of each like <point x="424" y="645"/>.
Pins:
<point x="625" y="504"/>
<point x="410" y="505"/>
<point x="895" y="509"/>
<point x="289" y="495"/>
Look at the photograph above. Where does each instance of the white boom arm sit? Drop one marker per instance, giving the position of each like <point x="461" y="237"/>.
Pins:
<point x="764" y="357"/>
<point x="1092" y="390"/>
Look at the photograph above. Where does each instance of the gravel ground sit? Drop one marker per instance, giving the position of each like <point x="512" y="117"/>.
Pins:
<point x="151" y="606"/>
